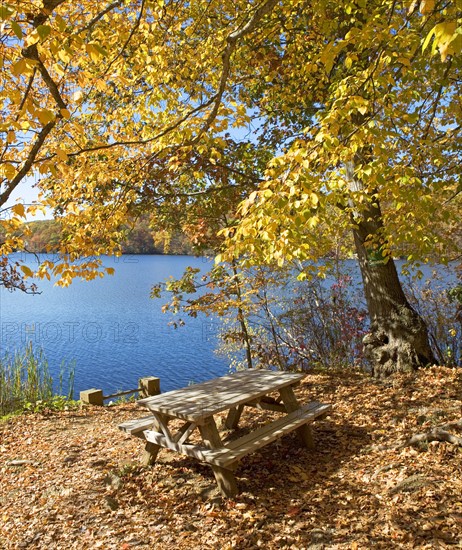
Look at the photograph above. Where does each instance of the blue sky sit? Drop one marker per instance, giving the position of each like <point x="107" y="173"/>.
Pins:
<point x="26" y="193"/>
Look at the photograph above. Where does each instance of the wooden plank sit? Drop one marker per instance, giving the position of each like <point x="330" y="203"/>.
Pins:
<point x="194" y="451"/>
<point x="262" y="404"/>
<point x="224" y="477"/>
<point x="234" y="415"/>
<point x="198" y="402"/>
<point x="151" y="450"/>
<point x="280" y="426"/>
<point x="162" y="425"/>
<point x="184" y="432"/>
<point x="225" y="480"/>
<point x="210" y="435"/>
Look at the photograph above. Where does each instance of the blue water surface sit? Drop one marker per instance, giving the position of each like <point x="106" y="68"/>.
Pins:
<point x="111" y="329"/>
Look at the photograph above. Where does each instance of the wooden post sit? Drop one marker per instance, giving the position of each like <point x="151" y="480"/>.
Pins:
<point x="226" y="481"/>
<point x="151" y="450"/>
<point x="150" y="454"/>
<point x="150" y="385"/>
<point x="92" y="397"/>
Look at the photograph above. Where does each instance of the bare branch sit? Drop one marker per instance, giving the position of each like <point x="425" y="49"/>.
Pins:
<point x="164" y="132"/>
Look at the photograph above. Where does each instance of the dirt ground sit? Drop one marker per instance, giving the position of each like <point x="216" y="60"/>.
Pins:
<point x="71" y="479"/>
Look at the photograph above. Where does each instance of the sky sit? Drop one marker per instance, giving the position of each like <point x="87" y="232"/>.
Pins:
<point x="26" y="193"/>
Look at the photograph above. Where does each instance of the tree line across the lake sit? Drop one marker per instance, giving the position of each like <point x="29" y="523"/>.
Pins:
<point x="46" y="236"/>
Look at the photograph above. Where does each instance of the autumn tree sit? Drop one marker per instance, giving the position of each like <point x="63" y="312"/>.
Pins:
<point x="374" y="123"/>
<point x="125" y="107"/>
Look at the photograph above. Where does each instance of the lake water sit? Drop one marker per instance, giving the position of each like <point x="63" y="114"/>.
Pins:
<point x="113" y="331"/>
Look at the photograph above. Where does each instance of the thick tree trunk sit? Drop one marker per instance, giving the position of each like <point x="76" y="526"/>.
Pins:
<point x="398" y="338"/>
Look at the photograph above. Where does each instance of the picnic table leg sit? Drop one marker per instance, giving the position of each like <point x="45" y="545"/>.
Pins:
<point x="234" y="415"/>
<point x="291" y="404"/>
<point x="151" y="450"/>
<point x="150" y="453"/>
<point x="226" y="480"/>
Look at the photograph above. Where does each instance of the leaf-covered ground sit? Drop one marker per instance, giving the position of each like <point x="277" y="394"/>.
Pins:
<point x="72" y="479"/>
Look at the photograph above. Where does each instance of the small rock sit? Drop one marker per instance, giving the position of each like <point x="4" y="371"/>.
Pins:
<point x="113" y="480"/>
<point x="111" y="503"/>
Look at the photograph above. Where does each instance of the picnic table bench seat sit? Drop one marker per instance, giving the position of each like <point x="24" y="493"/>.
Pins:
<point x="233" y="451"/>
<point x="138" y="425"/>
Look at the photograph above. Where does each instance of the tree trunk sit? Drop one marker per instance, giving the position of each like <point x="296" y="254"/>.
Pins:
<point x="398" y="338"/>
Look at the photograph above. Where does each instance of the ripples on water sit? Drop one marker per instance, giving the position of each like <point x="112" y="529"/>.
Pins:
<point x="113" y="331"/>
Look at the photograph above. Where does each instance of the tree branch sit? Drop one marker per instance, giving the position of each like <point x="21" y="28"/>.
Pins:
<point x="435" y="434"/>
<point x="232" y="40"/>
<point x="23" y="101"/>
<point x="164" y="132"/>
<point x="32" y="53"/>
<point x="100" y="15"/>
<point x="130" y="36"/>
<point x="29" y="161"/>
<point x="439" y="433"/>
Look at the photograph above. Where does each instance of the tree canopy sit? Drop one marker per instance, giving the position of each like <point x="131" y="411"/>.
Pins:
<point x="314" y="117"/>
<point x="139" y="105"/>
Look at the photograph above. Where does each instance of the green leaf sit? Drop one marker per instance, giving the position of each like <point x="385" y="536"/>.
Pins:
<point x="16" y="29"/>
<point x="43" y="31"/>
<point x="5" y="11"/>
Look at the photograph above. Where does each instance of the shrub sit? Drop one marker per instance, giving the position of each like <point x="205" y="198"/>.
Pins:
<point x="441" y="309"/>
<point x="300" y="325"/>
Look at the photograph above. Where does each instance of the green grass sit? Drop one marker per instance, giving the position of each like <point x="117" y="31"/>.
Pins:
<point x="27" y="385"/>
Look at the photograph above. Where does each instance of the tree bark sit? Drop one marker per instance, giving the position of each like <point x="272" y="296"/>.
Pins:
<point x="398" y="338"/>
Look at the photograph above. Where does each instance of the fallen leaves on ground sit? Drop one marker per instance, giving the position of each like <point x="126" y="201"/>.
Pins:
<point x="73" y="480"/>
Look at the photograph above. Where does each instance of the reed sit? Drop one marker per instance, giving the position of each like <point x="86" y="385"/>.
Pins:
<point x="25" y="380"/>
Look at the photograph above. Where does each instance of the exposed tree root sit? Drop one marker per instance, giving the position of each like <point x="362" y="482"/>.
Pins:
<point x="439" y="433"/>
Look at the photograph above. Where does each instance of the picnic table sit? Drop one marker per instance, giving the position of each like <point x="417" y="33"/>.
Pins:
<point x="196" y="406"/>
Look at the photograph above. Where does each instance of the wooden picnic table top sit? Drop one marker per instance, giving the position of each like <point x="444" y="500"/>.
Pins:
<point x="200" y="401"/>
